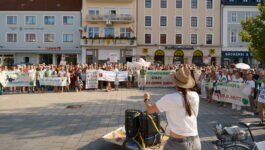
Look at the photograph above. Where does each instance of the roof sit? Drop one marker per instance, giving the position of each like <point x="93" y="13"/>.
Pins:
<point x="40" y="5"/>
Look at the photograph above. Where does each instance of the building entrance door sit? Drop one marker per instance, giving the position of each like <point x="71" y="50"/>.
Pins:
<point x="160" y="57"/>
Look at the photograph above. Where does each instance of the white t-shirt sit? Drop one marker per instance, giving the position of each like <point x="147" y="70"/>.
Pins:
<point x="179" y="122"/>
<point x="239" y="80"/>
<point x="251" y="84"/>
<point x="261" y="98"/>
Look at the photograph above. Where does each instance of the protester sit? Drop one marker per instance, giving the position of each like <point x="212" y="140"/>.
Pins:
<point x="116" y="82"/>
<point x="182" y="121"/>
<point x="251" y="86"/>
<point x="237" y="79"/>
<point x="261" y="100"/>
<point x="78" y="84"/>
<point x="142" y="78"/>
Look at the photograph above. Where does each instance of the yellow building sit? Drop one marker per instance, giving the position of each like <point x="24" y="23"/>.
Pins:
<point x="108" y="31"/>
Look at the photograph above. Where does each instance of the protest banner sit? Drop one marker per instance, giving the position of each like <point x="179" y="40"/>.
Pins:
<point x="17" y="79"/>
<point x="110" y="75"/>
<point x="158" y="79"/>
<point x="231" y="92"/>
<point x="54" y="81"/>
<point x="92" y="79"/>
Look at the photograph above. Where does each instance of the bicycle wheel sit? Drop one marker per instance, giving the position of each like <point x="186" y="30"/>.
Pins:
<point x="131" y="141"/>
<point x="236" y="147"/>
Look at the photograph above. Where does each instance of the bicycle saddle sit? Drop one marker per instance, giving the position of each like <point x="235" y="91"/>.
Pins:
<point x="245" y="124"/>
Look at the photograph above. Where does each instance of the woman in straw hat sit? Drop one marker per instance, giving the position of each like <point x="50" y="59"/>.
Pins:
<point x="181" y="108"/>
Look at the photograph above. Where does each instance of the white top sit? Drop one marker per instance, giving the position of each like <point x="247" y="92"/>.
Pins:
<point x="179" y="122"/>
<point x="261" y="98"/>
<point x="251" y="84"/>
<point x="239" y="80"/>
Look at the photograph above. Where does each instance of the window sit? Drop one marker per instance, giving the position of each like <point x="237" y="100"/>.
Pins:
<point x="109" y="32"/>
<point x="148" y="3"/>
<point x="110" y="11"/>
<point x="163" y="3"/>
<point x="178" y="3"/>
<point x="68" y="38"/>
<point x="248" y="14"/>
<point x="125" y="32"/>
<point x="245" y="1"/>
<point x="209" y="39"/>
<point x="178" y="38"/>
<point x="163" y="21"/>
<point x="48" y="37"/>
<point x="193" y="21"/>
<point x="93" y="32"/>
<point x="178" y="21"/>
<point x="233" y="37"/>
<point x="193" y="39"/>
<point x="209" y="4"/>
<point x="233" y="17"/>
<point x="125" y="12"/>
<point x="30" y="37"/>
<point x="11" y="37"/>
<point x="11" y="19"/>
<point x="148" y="21"/>
<point x="209" y="21"/>
<point x="148" y="38"/>
<point x="68" y="20"/>
<point x="163" y="39"/>
<point x="194" y="3"/>
<point x="258" y="1"/>
<point x="26" y="59"/>
<point x="49" y="20"/>
<point x="93" y="12"/>
<point x="30" y="20"/>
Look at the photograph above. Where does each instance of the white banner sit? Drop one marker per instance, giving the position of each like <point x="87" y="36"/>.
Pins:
<point x="54" y="81"/>
<point x="110" y="75"/>
<point x="158" y="79"/>
<point x="92" y="79"/>
<point x="17" y="79"/>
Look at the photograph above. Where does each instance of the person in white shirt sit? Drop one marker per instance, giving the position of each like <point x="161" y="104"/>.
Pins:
<point x="237" y="79"/>
<point x="251" y="85"/>
<point x="261" y="100"/>
<point x="181" y="108"/>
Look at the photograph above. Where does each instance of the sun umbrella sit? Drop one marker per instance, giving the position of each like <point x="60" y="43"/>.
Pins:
<point x="242" y="66"/>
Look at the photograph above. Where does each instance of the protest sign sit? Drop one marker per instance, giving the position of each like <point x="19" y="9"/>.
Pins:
<point x="54" y="81"/>
<point x="92" y="79"/>
<point x="17" y="79"/>
<point x="231" y="92"/>
<point x="110" y="75"/>
<point x="158" y="79"/>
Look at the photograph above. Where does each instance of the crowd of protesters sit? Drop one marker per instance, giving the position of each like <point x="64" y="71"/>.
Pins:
<point x="76" y="78"/>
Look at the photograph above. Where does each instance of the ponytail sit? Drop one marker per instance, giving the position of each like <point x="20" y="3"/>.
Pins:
<point x="186" y="101"/>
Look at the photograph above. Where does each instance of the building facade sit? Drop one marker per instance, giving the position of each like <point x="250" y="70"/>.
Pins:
<point x="109" y="31"/>
<point x="233" y="49"/>
<point x="179" y="31"/>
<point x="40" y="31"/>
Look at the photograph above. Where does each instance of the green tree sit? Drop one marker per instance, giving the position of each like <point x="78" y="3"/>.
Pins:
<point x="253" y="32"/>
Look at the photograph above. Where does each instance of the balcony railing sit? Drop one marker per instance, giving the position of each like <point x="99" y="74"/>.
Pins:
<point x="241" y="2"/>
<point x="112" y="18"/>
<point x="108" y="42"/>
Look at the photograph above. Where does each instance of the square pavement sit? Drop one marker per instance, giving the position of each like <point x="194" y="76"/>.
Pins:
<point x="42" y="122"/>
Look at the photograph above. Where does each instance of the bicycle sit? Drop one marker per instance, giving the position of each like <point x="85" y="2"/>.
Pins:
<point x="238" y="141"/>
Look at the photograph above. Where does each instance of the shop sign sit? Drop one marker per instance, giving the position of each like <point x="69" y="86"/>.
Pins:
<point x="212" y="51"/>
<point x="236" y="54"/>
<point x="160" y="53"/>
<point x="89" y="53"/>
<point x="179" y="53"/>
<point x="179" y="47"/>
<point x="53" y="48"/>
<point x="145" y="50"/>
<point x="198" y="53"/>
<point x="128" y="53"/>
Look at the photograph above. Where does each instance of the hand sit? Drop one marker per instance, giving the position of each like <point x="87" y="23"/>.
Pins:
<point x="146" y="96"/>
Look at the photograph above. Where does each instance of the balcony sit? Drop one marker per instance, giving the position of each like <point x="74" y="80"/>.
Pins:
<point x="241" y="2"/>
<point x="110" y="18"/>
<point x="126" y="42"/>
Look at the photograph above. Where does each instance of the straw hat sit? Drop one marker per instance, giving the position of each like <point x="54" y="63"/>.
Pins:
<point x="182" y="78"/>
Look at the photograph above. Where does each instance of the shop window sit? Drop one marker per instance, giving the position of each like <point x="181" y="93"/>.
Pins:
<point x="159" y="57"/>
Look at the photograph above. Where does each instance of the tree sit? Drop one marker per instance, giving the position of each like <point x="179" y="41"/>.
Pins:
<point x="253" y="32"/>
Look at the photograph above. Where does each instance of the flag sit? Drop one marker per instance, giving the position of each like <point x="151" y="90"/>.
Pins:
<point x="80" y="29"/>
<point x="85" y="29"/>
<point x="131" y="30"/>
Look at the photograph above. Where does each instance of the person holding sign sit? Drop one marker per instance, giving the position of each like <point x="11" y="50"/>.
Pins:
<point x="143" y="73"/>
<point x="261" y="100"/>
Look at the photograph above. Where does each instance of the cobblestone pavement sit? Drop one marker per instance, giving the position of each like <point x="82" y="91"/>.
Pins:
<point x="40" y="121"/>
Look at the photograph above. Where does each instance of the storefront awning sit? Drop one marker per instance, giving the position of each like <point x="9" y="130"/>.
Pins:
<point x="40" y="51"/>
<point x="241" y="54"/>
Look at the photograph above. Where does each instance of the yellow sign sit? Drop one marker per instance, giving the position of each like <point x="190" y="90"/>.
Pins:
<point x="212" y="51"/>
<point x="198" y="53"/>
<point x="145" y="50"/>
<point x="179" y="53"/>
<point x="160" y="53"/>
<point x="108" y="42"/>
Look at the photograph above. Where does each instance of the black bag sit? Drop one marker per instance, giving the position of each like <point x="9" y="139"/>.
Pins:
<point x="143" y="127"/>
<point x="150" y="128"/>
<point x="132" y="124"/>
